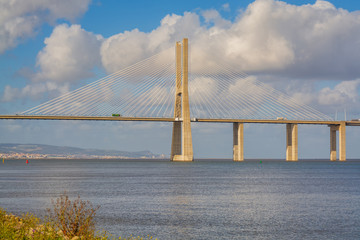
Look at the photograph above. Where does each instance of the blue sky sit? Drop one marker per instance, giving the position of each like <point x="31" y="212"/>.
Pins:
<point x="316" y="61"/>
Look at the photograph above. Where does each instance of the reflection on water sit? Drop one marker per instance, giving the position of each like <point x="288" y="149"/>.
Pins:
<point x="201" y="200"/>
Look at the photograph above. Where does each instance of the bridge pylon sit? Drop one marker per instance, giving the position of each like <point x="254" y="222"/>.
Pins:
<point x="181" y="146"/>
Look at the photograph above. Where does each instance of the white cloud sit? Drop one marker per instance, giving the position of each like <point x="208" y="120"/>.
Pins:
<point x="127" y="48"/>
<point x="308" y="40"/>
<point x="271" y="36"/>
<point x="70" y="54"/>
<point x="344" y="93"/>
<point x="20" y="19"/>
<point x="124" y="49"/>
<point x="324" y="5"/>
<point x="35" y="91"/>
<point x="226" y="7"/>
<point x="215" y="17"/>
<point x="10" y="94"/>
<point x="201" y="89"/>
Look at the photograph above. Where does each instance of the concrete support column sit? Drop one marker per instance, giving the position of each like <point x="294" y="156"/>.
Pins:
<point x="291" y="142"/>
<point x="342" y="141"/>
<point x="333" y="129"/>
<point x="238" y="142"/>
<point x="176" y="140"/>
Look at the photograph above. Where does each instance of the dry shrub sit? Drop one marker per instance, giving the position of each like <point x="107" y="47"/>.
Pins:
<point x="73" y="218"/>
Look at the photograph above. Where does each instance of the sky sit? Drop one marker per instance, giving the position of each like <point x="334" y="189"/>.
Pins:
<point x="308" y="49"/>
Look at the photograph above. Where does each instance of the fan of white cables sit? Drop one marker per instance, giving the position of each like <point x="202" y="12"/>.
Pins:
<point x="227" y="93"/>
<point x="147" y="89"/>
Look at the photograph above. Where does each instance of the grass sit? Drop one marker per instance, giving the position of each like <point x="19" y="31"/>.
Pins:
<point x="67" y="220"/>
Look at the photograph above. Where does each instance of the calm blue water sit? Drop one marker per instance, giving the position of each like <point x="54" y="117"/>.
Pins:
<point x="199" y="200"/>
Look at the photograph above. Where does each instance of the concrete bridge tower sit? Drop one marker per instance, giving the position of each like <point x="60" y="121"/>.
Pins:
<point x="181" y="146"/>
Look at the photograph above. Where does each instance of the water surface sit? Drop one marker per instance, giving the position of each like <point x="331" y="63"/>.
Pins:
<point x="198" y="200"/>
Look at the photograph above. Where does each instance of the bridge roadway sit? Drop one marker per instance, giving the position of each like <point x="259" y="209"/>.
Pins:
<point x="238" y="130"/>
<point x="110" y="118"/>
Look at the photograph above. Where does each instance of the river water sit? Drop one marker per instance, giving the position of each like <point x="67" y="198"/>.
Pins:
<point x="198" y="200"/>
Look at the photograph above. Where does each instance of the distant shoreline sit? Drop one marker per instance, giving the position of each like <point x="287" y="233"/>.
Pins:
<point x="42" y="151"/>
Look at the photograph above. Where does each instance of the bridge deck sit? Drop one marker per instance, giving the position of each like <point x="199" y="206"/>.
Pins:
<point x="92" y="118"/>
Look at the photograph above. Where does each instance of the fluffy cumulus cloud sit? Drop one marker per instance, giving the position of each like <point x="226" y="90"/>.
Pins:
<point x="343" y="92"/>
<point x="126" y="48"/>
<point x="70" y="54"/>
<point x="343" y="96"/>
<point x="20" y="19"/>
<point x="309" y="41"/>
<point x="305" y="41"/>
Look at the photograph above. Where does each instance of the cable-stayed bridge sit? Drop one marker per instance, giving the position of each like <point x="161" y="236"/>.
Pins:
<point x="163" y="88"/>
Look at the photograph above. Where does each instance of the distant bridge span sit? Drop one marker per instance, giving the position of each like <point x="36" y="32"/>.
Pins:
<point x="238" y="130"/>
<point x="155" y="119"/>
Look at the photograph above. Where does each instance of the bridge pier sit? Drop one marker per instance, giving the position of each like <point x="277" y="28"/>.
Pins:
<point x="342" y="141"/>
<point x="291" y="142"/>
<point x="238" y="142"/>
<point x="176" y="140"/>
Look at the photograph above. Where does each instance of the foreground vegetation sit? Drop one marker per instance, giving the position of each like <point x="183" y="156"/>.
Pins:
<point x="66" y="220"/>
